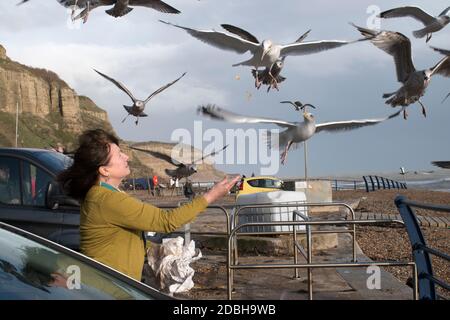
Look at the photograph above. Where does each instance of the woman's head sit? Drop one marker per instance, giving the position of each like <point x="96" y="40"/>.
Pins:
<point x="98" y="158"/>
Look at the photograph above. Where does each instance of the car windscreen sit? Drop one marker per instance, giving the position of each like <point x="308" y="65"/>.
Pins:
<point x="32" y="271"/>
<point x="54" y="160"/>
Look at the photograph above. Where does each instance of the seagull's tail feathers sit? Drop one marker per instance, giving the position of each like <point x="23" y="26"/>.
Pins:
<point x="274" y="139"/>
<point x="171" y="173"/>
<point x="387" y="95"/>
<point x="115" y="13"/>
<point x="420" y="33"/>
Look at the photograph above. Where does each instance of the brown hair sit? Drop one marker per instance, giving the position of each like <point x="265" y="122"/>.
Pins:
<point x="92" y="153"/>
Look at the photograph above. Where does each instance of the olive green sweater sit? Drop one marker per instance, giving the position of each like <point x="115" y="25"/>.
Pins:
<point x="111" y="225"/>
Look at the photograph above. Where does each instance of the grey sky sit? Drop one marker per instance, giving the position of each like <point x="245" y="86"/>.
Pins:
<point x="345" y="83"/>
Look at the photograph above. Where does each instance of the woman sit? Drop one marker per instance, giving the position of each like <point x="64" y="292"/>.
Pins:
<point x="111" y="221"/>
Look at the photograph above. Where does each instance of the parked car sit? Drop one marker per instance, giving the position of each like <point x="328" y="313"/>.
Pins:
<point x="33" y="268"/>
<point x="259" y="184"/>
<point x="30" y="198"/>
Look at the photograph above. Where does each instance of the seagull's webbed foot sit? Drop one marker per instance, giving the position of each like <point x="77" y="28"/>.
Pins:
<point x="405" y="114"/>
<point x="137" y="120"/>
<point x="429" y="37"/>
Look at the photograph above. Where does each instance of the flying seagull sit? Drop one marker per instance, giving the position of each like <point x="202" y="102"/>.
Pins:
<point x="270" y="76"/>
<point x="432" y="24"/>
<point x="298" y="106"/>
<point x="183" y="170"/>
<point x="296" y="132"/>
<point x="414" y="82"/>
<point x="265" y="53"/>
<point x="442" y="164"/>
<point x="447" y="53"/>
<point x="137" y="109"/>
<point x="119" y="9"/>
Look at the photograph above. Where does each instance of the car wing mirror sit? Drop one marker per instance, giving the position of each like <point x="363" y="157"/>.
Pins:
<point x="54" y="198"/>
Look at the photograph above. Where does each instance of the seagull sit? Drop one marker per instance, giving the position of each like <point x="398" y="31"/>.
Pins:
<point x="120" y="8"/>
<point x="271" y="75"/>
<point x="447" y="53"/>
<point x="442" y="164"/>
<point x="183" y="170"/>
<point x="432" y="24"/>
<point x="265" y="53"/>
<point x="414" y="82"/>
<point x="296" y="132"/>
<point x="298" y="106"/>
<point x="137" y="109"/>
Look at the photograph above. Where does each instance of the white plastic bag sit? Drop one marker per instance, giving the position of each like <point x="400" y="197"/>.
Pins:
<point x="170" y="263"/>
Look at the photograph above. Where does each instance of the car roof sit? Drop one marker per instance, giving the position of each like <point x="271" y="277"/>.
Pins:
<point x="93" y="263"/>
<point x="28" y="151"/>
<point x="262" y="177"/>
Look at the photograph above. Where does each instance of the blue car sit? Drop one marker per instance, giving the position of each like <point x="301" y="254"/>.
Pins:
<point x="30" y="198"/>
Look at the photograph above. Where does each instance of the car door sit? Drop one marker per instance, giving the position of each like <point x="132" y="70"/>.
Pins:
<point x="22" y="202"/>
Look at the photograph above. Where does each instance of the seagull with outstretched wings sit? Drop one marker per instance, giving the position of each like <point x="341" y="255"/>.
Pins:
<point x="183" y="170"/>
<point x="119" y="9"/>
<point x="414" y="81"/>
<point x="296" y="132"/>
<point x="264" y="54"/>
<point x="137" y="109"/>
<point x="432" y="24"/>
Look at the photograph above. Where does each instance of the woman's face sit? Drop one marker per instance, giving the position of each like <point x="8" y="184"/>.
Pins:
<point x="117" y="167"/>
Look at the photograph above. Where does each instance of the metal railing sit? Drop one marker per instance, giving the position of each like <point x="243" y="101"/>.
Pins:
<point x="233" y="265"/>
<point x="239" y="211"/>
<point x="421" y="252"/>
<point x="382" y="183"/>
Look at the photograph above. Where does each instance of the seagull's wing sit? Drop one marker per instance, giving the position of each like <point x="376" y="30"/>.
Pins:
<point x="220" y="40"/>
<point x="352" y="124"/>
<point x="154" y="4"/>
<point x="210" y="154"/>
<point x="409" y="11"/>
<point x="443" y="51"/>
<point x="240" y="32"/>
<point x="220" y="114"/>
<point x="442" y="164"/>
<point x="395" y="44"/>
<point x="163" y="88"/>
<point x="304" y="48"/>
<point x="303" y="36"/>
<point x="159" y="155"/>
<point x="118" y="84"/>
<point x="442" y="67"/>
<point x="445" y="12"/>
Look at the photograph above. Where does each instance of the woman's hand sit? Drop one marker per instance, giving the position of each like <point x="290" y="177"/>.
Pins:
<point x="220" y="189"/>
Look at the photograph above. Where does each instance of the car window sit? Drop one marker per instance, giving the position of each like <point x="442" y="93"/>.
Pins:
<point x="54" y="160"/>
<point x="30" y="270"/>
<point x="34" y="184"/>
<point x="9" y="181"/>
<point x="265" y="183"/>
